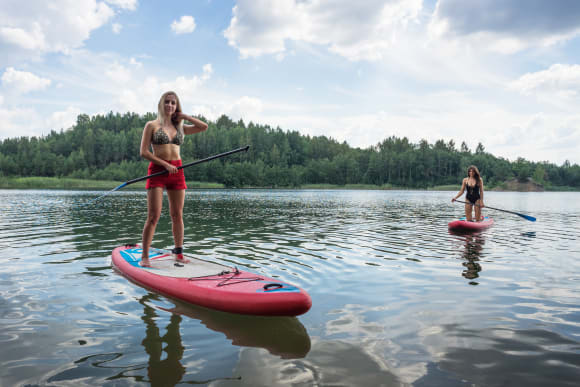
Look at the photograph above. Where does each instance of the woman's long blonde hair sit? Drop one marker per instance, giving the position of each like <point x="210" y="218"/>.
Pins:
<point x="161" y="111"/>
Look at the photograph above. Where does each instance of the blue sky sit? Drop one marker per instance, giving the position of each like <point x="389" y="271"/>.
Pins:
<point x="503" y="73"/>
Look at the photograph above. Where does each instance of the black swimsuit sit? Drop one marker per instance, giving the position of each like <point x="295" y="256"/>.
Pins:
<point x="472" y="193"/>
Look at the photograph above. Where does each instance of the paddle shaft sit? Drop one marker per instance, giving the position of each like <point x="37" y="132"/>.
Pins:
<point x="164" y="172"/>
<point x="187" y="165"/>
<point x="530" y="218"/>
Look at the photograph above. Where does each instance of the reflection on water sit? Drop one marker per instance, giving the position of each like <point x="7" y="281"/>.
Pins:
<point x="510" y="355"/>
<point x="473" y="246"/>
<point x="168" y="371"/>
<point x="285" y="337"/>
<point x="329" y="363"/>
<point x="392" y="289"/>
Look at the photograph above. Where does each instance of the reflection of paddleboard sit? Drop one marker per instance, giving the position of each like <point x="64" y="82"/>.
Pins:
<point x="281" y="335"/>
<point x="464" y="225"/>
<point x="212" y="285"/>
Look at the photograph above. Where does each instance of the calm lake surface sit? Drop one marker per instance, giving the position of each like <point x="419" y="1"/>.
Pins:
<point x="397" y="298"/>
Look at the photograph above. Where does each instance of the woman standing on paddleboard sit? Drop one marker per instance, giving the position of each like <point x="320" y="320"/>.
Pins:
<point x="474" y="185"/>
<point x="160" y="145"/>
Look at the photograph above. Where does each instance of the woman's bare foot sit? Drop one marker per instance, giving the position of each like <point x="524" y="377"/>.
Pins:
<point x="177" y="254"/>
<point x="180" y="258"/>
<point x="145" y="262"/>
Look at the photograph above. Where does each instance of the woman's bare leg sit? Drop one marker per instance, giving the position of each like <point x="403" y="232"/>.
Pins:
<point x="154" y="205"/>
<point x="478" y="215"/>
<point x="176" y="202"/>
<point x="468" y="211"/>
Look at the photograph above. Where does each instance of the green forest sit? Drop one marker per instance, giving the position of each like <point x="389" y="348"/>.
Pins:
<point x="106" y="147"/>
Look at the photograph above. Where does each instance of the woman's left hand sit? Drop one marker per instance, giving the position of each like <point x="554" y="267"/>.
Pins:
<point x="178" y="116"/>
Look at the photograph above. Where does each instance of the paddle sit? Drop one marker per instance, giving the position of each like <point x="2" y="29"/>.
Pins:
<point x="530" y="218"/>
<point x="165" y="171"/>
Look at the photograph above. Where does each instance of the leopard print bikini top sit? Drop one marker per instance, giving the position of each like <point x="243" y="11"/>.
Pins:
<point x="159" y="137"/>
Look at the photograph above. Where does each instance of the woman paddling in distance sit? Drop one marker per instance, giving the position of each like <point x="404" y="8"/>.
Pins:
<point x="165" y="136"/>
<point x="474" y="185"/>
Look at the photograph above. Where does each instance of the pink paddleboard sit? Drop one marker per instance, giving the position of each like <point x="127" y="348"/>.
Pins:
<point x="464" y="225"/>
<point x="211" y="285"/>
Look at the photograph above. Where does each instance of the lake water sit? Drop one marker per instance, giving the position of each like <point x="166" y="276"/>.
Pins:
<point x="397" y="298"/>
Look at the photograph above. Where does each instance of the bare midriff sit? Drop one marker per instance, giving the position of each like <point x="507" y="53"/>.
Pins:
<point x="167" y="151"/>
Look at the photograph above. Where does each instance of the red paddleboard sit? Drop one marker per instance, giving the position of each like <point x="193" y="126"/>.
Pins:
<point x="464" y="225"/>
<point x="211" y="285"/>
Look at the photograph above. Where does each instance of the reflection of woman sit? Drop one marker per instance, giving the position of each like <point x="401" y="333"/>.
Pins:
<point x="165" y="136"/>
<point x="473" y="247"/>
<point x="167" y="372"/>
<point x="473" y="183"/>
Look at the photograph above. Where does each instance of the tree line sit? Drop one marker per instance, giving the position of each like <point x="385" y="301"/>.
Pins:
<point x="106" y="147"/>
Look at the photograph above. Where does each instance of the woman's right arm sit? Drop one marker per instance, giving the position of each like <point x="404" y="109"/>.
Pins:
<point x="145" y="150"/>
<point x="461" y="191"/>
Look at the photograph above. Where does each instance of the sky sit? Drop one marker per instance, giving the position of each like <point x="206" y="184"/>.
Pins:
<point x="503" y="73"/>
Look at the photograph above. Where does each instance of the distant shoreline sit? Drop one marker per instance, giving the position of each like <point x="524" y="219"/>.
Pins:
<point x="80" y="184"/>
<point x="55" y="183"/>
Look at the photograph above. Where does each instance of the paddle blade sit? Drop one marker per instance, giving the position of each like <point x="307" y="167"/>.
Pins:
<point x="528" y="217"/>
<point x="92" y="201"/>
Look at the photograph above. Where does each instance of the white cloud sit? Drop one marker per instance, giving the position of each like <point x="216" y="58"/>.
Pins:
<point x="185" y="25"/>
<point x="245" y="107"/>
<point x="540" y="137"/>
<point x="63" y="119"/>
<point x="31" y="38"/>
<point x="118" y="73"/>
<point x="29" y="122"/>
<point x="506" y="27"/>
<point x="130" y="101"/>
<point x="116" y="28"/>
<point x="354" y="30"/>
<point x="144" y="96"/>
<point x="95" y="76"/>
<point x="135" y="62"/>
<point x="207" y="71"/>
<point x="51" y="26"/>
<point x="23" y="82"/>
<point x="560" y="79"/>
<point x="19" y="122"/>
<point x="207" y="111"/>
<point x="124" y="4"/>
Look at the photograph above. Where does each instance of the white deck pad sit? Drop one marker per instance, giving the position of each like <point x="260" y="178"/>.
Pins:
<point x="163" y="264"/>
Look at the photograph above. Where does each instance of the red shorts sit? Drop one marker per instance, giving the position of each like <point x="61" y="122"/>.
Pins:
<point x="168" y="180"/>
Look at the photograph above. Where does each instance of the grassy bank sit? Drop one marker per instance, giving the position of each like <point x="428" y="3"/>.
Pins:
<point x="560" y="188"/>
<point x="81" y="184"/>
<point x="57" y="183"/>
<point x="381" y="187"/>
<point x="452" y="187"/>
